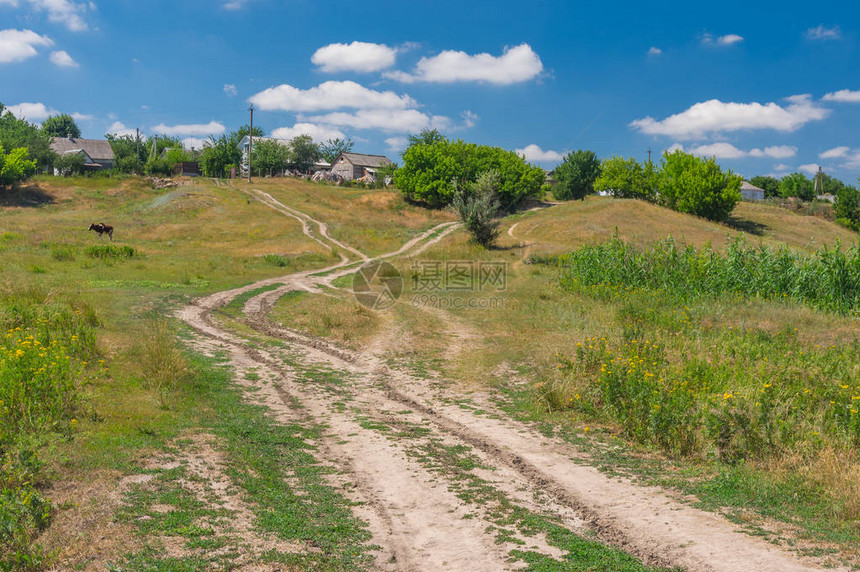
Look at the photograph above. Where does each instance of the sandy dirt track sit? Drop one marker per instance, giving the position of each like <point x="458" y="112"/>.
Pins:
<point x="411" y="506"/>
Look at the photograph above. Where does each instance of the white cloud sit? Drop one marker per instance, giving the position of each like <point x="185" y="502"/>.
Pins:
<point x="653" y="51"/>
<point x="782" y="167"/>
<point x="821" y="33"/>
<point x="390" y="120"/>
<point x="235" y="4"/>
<point x="715" y="116"/>
<point x="775" y="152"/>
<point x="852" y="159"/>
<point x="319" y="133"/>
<point x="63" y="59"/>
<point x="19" y="45"/>
<point x="357" y="56"/>
<point x="723" y="150"/>
<point x="12" y="3"/>
<point x="81" y="117"/>
<point x="31" y="111"/>
<point x="810" y="168"/>
<point x="727" y="40"/>
<point x="66" y="12"/>
<point x="469" y="119"/>
<point x="718" y="150"/>
<point x="843" y="95"/>
<point x="211" y="128"/>
<point x="329" y="95"/>
<point x="674" y="147"/>
<point x="230" y="89"/>
<point x="834" y="153"/>
<point x="396" y="144"/>
<point x="193" y="143"/>
<point x="117" y="128"/>
<point x="534" y="153"/>
<point x="517" y="64"/>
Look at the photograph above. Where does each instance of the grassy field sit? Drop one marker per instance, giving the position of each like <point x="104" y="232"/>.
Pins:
<point x="771" y="386"/>
<point x="92" y="318"/>
<point x="543" y="345"/>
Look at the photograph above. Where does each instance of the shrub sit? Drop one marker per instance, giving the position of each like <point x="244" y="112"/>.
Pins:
<point x="109" y="251"/>
<point x="162" y="363"/>
<point x="627" y="178"/>
<point x="575" y="175"/>
<point x="157" y="167"/>
<point x="277" y="260"/>
<point x="432" y="171"/>
<point x="15" y="167"/>
<point x="477" y="206"/>
<point x="43" y="356"/>
<point x="698" y="186"/>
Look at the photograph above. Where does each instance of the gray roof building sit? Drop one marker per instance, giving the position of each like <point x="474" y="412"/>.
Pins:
<point x="750" y="192"/>
<point x="99" y="150"/>
<point x="357" y="165"/>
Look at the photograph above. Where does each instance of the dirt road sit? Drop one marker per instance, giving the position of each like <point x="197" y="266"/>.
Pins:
<point x="444" y="484"/>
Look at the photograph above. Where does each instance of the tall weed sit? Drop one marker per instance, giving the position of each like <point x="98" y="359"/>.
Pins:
<point x="828" y="280"/>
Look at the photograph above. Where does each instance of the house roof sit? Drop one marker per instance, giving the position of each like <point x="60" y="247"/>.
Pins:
<point x="97" y="149"/>
<point x="747" y="186"/>
<point x="361" y="160"/>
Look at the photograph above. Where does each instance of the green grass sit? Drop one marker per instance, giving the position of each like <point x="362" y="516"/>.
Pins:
<point x="828" y="280"/>
<point x="275" y="468"/>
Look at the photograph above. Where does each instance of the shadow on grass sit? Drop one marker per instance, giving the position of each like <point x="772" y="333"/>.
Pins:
<point x="748" y="226"/>
<point x="31" y="196"/>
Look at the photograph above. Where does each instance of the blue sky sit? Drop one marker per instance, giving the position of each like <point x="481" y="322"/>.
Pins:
<point x="768" y="88"/>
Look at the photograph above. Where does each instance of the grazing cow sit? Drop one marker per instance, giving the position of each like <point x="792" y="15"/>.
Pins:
<point x="102" y="228"/>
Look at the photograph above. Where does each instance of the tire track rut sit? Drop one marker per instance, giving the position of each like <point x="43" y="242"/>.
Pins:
<point x="413" y="512"/>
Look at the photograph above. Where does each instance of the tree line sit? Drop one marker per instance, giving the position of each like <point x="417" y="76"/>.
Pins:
<point x="25" y="149"/>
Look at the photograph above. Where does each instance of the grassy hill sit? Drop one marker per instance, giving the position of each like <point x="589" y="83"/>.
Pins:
<point x="523" y="342"/>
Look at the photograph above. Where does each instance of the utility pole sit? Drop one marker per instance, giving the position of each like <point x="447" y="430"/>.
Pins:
<point x="137" y="148"/>
<point x="250" y="140"/>
<point x="649" y="154"/>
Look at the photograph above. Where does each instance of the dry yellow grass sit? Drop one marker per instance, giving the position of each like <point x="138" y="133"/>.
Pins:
<point x="567" y="226"/>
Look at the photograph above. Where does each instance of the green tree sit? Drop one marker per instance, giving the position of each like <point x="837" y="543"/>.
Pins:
<point x="177" y="155"/>
<point x="477" y="206"/>
<point x="331" y="149"/>
<point x="432" y="171"/>
<point x="848" y="207"/>
<point x="575" y="175"/>
<point x="269" y="156"/>
<point x="157" y="166"/>
<point x="15" y="166"/>
<point x="129" y="152"/>
<point x="770" y="185"/>
<point x="303" y="153"/>
<point x="69" y="164"/>
<point x="697" y="185"/>
<point x="61" y="126"/>
<point x="240" y="133"/>
<point x="15" y="133"/>
<point x="425" y="137"/>
<point x="219" y="155"/>
<point x="797" y="185"/>
<point x="627" y="178"/>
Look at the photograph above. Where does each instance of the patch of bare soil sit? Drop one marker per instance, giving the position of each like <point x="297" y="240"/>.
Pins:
<point x="409" y="450"/>
<point x="83" y="531"/>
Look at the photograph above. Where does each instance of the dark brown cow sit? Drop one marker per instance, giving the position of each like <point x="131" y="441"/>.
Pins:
<point x="102" y="228"/>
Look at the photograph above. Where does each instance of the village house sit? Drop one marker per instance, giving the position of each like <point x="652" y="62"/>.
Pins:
<point x="97" y="153"/>
<point x="750" y="192"/>
<point x="353" y="166"/>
